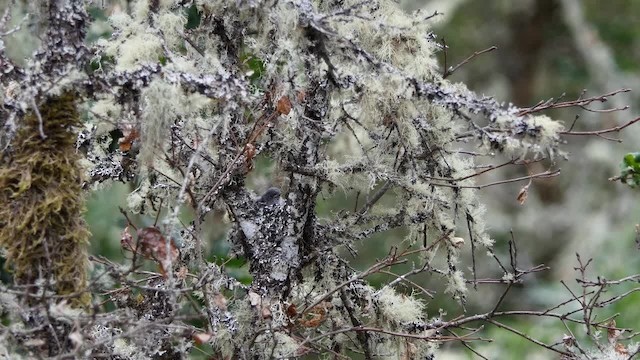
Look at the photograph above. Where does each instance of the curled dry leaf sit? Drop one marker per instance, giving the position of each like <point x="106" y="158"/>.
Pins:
<point x="284" y="105"/>
<point x="612" y="333"/>
<point x="314" y="321"/>
<point x="151" y="244"/>
<point x="522" y="195"/>
<point x="130" y="135"/>
<point x="568" y="341"/>
<point x="220" y="301"/>
<point x="181" y="274"/>
<point x="620" y="349"/>
<point x="457" y="242"/>
<point x="301" y="96"/>
<point x="76" y="338"/>
<point x="201" y="338"/>
<point x="265" y="312"/>
<point x="154" y="245"/>
<point x="316" y="316"/>
<point x="254" y="298"/>
<point x="292" y="311"/>
<point x="249" y="154"/>
<point x="126" y="240"/>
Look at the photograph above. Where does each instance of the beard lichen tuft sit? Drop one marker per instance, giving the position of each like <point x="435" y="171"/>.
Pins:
<point x="41" y="203"/>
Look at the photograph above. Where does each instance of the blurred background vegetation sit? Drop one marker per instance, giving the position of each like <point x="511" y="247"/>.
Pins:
<point x="546" y="48"/>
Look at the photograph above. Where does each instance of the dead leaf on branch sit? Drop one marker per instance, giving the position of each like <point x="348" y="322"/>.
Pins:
<point x="151" y="244"/>
<point x="130" y="135"/>
<point x="292" y="311"/>
<point x="457" y="242"/>
<point x="522" y="195"/>
<point x="316" y="315"/>
<point x="201" y="338"/>
<point x="284" y="105"/>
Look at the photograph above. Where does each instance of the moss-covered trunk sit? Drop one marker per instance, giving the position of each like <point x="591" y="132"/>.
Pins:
<point x="41" y="203"/>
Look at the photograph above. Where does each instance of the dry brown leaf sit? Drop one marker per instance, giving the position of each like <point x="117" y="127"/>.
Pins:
<point x="201" y="338"/>
<point x="522" y="195"/>
<point x="620" y="349"/>
<point x="612" y="333"/>
<point x="151" y="244"/>
<point x="292" y="311"/>
<point x="126" y="240"/>
<point x="316" y="316"/>
<point x="284" y="105"/>
<point x="249" y="154"/>
<point x="130" y="135"/>
<point x="314" y="321"/>
<point x="220" y="301"/>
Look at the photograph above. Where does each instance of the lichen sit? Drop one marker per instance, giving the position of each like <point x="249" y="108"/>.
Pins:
<point x="399" y="308"/>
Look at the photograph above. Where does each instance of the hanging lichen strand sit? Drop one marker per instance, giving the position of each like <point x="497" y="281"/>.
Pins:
<point x="41" y="204"/>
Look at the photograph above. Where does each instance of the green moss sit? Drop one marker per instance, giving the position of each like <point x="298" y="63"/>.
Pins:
<point x="41" y="203"/>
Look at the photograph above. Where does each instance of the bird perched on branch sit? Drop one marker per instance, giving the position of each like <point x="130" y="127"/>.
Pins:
<point x="264" y="239"/>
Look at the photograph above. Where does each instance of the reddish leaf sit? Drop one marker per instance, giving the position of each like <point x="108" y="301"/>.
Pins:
<point x="291" y="310"/>
<point x="284" y="105"/>
<point x="153" y="245"/>
<point x="130" y="135"/>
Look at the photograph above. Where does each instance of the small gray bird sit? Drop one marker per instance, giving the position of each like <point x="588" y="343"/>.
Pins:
<point x="270" y="197"/>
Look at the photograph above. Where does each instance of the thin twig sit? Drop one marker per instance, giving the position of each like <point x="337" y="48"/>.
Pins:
<point x="451" y="70"/>
<point x="603" y="131"/>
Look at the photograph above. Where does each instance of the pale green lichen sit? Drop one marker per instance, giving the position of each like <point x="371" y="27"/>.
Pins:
<point x="399" y="308"/>
<point x="136" y="199"/>
<point x="396" y="37"/>
<point x="119" y="20"/>
<point x="138" y="49"/>
<point x="277" y="346"/>
<point x="140" y="9"/>
<point x="223" y="341"/>
<point x="172" y="26"/>
<point x="9" y="305"/>
<point x="124" y="347"/>
<point x="159" y="115"/>
<point x="549" y="130"/>
<point x="106" y="113"/>
<point x="456" y="285"/>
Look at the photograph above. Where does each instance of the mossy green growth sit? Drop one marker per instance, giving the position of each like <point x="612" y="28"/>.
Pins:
<point x="41" y="203"/>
